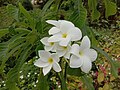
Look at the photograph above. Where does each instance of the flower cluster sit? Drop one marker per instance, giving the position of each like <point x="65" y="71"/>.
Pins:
<point x="62" y="43"/>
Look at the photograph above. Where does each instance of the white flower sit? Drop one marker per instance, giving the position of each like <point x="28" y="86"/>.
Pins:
<point x="83" y="56"/>
<point x="64" y="32"/>
<point x="49" y="46"/>
<point x="63" y="51"/>
<point x="47" y="61"/>
<point x="57" y="25"/>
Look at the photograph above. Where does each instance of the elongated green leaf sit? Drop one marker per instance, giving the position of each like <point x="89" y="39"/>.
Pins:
<point x="8" y="48"/>
<point x="46" y="6"/>
<point x="114" y="68"/>
<point x="28" y="16"/>
<point x="31" y="37"/>
<point x="12" y="51"/>
<point x="3" y="32"/>
<point x="93" y="7"/>
<point x="110" y="8"/>
<point x="15" y="37"/>
<point x="15" y="43"/>
<point x="42" y="82"/>
<point x="23" y="10"/>
<point x="13" y="74"/>
<point x="22" y="30"/>
<point x="13" y="11"/>
<point x="88" y="82"/>
<point x="6" y="53"/>
<point x="39" y="27"/>
<point x="78" y="17"/>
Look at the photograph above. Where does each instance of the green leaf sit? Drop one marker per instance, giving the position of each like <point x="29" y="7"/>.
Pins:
<point x="88" y="82"/>
<point x="40" y="46"/>
<point x="92" y="4"/>
<point x="39" y="27"/>
<point x="13" y="11"/>
<point x="78" y="17"/>
<point x="8" y="48"/>
<point x="22" y="30"/>
<point x="3" y="32"/>
<point x="12" y="30"/>
<point x="13" y="87"/>
<point x="46" y="6"/>
<point x="28" y="16"/>
<point x="110" y="8"/>
<point x="74" y="71"/>
<point x="31" y="37"/>
<point x="91" y="34"/>
<point x="13" y="74"/>
<point x="95" y="15"/>
<point x="114" y="68"/>
<point x="42" y="82"/>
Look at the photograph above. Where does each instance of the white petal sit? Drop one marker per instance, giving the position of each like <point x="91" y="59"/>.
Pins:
<point x="87" y="65"/>
<point x="91" y="53"/>
<point x="75" y="49"/>
<point x="67" y="55"/>
<point x="45" y="41"/>
<point x="53" y="22"/>
<point x="48" y="48"/>
<point x="44" y="55"/>
<point x="53" y="30"/>
<point x="75" y="62"/>
<point x="40" y="63"/>
<point x="85" y="43"/>
<point x="55" y="57"/>
<point x="60" y="52"/>
<point x="56" y="67"/>
<point x="65" y="41"/>
<point x="65" y="26"/>
<point x="58" y="47"/>
<point x="75" y="34"/>
<point x="55" y="38"/>
<point x="47" y="69"/>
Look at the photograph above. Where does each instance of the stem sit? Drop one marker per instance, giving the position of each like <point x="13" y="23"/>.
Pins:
<point x="63" y="76"/>
<point x="63" y="82"/>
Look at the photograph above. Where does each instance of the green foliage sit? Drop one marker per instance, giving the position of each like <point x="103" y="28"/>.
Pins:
<point x="93" y="7"/>
<point x="79" y="15"/>
<point x="13" y="11"/>
<point x="42" y="82"/>
<point x="87" y="80"/>
<point x="3" y="32"/>
<point x="28" y="16"/>
<point x="110" y="8"/>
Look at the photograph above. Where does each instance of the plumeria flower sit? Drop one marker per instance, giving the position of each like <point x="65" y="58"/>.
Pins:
<point x="82" y="56"/>
<point x="47" y="61"/>
<point x="63" y="51"/>
<point x="64" y="32"/>
<point x="49" y="46"/>
<point x="57" y="25"/>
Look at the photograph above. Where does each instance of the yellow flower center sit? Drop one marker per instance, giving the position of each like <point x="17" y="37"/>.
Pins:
<point x="64" y="47"/>
<point x="50" y="60"/>
<point x="80" y="53"/>
<point x="64" y="35"/>
<point x="51" y="43"/>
